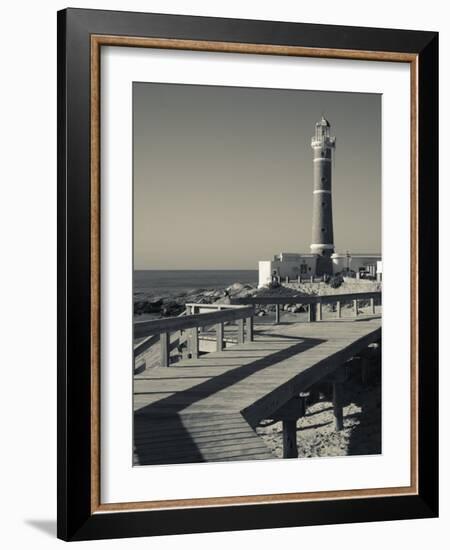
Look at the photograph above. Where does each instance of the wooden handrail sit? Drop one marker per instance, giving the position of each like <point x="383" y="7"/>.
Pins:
<point x="171" y="324"/>
<point x="305" y="300"/>
<point x="164" y="327"/>
<point x="144" y="345"/>
<point x="314" y="313"/>
<point x="212" y="306"/>
<point x="241" y="310"/>
<point x="148" y="342"/>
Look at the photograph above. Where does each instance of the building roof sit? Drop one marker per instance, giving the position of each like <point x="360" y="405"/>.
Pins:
<point x="323" y="122"/>
<point x="357" y="255"/>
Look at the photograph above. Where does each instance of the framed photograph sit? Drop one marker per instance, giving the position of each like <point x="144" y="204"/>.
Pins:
<point x="247" y="274"/>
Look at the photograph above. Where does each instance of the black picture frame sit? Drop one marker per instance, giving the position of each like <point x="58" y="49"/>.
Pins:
<point x="76" y="520"/>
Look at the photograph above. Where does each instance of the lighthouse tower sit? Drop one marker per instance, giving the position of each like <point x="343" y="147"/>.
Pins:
<point x="322" y="226"/>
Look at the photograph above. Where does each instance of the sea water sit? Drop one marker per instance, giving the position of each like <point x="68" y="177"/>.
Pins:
<point x="164" y="283"/>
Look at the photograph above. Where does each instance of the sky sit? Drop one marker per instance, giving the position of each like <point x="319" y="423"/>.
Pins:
<point x="223" y="176"/>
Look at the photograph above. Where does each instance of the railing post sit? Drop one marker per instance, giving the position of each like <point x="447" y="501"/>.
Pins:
<point x="290" y="449"/>
<point x="190" y="310"/>
<point x="365" y="363"/>
<point x="249" y="331"/>
<point x="337" y="405"/>
<point x="355" y="308"/>
<point x="372" y="306"/>
<point x="338" y="309"/>
<point x="277" y="314"/>
<point x="164" y="339"/>
<point x="219" y="337"/>
<point x="240" y="331"/>
<point x="194" y="342"/>
<point x="319" y="311"/>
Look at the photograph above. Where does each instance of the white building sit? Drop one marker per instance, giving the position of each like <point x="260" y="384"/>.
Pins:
<point x="292" y="266"/>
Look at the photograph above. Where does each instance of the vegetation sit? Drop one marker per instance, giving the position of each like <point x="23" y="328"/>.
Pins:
<point x="335" y="281"/>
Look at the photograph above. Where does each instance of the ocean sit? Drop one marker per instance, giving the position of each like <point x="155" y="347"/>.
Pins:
<point x="172" y="282"/>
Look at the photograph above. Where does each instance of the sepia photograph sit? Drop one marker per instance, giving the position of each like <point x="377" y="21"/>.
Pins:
<point x="258" y="274"/>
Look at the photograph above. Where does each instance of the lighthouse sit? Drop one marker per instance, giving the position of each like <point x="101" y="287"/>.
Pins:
<point x="289" y="267"/>
<point x="322" y="243"/>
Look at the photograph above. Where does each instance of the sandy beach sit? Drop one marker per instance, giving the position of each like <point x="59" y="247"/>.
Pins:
<point x="316" y="433"/>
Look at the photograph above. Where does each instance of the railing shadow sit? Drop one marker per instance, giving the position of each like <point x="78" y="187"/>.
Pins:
<point x="163" y="441"/>
<point x="183" y="399"/>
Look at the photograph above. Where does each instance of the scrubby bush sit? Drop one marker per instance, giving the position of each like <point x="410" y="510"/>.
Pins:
<point x="335" y="281"/>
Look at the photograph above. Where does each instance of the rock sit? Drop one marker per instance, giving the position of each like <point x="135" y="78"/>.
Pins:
<point x="195" y="291"/>
<point x="223" y="300"/>
<point x="146" y="306"/>
<point x="244" y="293"/>
<point x="235" y="287"/>
<point x="138" y="308"/>
<point x="172" y="308"/>
<point x="209" y="293"/>
<point x="240" y="290"/>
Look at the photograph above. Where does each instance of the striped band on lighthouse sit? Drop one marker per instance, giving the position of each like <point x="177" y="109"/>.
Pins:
<point x="323" y="145"/>
<point x="320" y="246"/>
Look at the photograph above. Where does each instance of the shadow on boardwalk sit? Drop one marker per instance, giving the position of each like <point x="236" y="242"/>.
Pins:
<point x="175" y="403"/>
<point x="164" y="433"/>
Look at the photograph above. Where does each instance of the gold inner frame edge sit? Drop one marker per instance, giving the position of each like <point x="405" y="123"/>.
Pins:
<point x="97" y="41"/>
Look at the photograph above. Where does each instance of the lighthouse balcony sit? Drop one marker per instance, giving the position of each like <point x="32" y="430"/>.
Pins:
<point x="323" y="142"/>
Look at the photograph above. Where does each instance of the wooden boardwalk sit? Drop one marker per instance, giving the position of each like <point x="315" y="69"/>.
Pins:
<point x="206" y="409"/>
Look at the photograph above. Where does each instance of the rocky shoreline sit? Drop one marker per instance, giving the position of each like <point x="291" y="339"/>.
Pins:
<point x="174" y="304"/>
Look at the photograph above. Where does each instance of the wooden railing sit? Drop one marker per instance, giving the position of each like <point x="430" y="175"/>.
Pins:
<point x="143" y="350"/>
<point x="314" y="303"/>
<point x="198" y="316"/>
<point x="191" y="323"/>
<point x="192" y="308"/>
